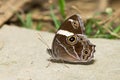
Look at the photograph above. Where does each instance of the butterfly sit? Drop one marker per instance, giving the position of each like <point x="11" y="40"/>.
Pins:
<point x="70" y="43"/>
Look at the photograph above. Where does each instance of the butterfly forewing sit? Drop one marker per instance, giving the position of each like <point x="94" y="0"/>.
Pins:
<point x="73" y="24"/>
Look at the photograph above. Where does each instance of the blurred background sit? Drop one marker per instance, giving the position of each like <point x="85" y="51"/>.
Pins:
<point x="101" y="17"/>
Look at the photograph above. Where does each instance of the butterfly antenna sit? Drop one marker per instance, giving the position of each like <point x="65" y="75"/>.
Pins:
<point x="43" y="40"/>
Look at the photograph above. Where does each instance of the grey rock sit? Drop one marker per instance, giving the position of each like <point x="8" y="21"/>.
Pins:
<point x="24" y="57"/>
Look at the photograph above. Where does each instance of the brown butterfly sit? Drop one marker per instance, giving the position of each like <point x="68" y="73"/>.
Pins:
<point x="70" y="44"/>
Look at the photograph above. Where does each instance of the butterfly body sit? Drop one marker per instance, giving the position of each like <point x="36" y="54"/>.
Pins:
<point x="70" y="43"/>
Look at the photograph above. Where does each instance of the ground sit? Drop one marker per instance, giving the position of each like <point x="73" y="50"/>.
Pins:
<point x="23" y="57"/>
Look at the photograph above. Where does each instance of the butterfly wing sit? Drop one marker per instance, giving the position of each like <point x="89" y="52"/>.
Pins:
<point x="73" y="24"/>
<point x="66" y="44"/>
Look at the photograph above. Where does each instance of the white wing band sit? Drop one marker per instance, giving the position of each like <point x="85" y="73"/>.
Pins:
<point x="65" y="33"/>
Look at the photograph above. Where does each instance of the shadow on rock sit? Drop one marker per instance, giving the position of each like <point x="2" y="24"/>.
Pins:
<point x="74" y="63"/>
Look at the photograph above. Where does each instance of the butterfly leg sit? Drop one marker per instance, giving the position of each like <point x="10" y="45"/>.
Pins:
<point x="54" y="56"/>
<point x="49" y="51"/>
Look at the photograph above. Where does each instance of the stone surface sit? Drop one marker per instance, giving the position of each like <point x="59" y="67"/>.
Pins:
<point x="24" y="57"/>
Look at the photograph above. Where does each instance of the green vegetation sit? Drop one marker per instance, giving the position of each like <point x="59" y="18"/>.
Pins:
<point x="92" y="26"/>
<point x="28" y="23"/>
<point x="93" y="29"/>
<point x="61" y="10"/>
<point x="39" y="26"/>
<point x="62" y="7"/>
<point x="56" y="22"/>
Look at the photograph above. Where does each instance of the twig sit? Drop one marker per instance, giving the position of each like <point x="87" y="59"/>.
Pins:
<point x="107" y="21"/>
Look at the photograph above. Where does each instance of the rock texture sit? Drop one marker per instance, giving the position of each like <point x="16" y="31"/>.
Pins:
<point x="23" y="57"/>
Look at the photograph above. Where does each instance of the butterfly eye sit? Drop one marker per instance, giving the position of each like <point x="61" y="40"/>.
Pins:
<point x="72" y="40"/>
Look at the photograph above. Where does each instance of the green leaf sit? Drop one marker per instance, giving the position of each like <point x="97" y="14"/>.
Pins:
<point x="89" y="27"/>
<point x="56" y="22"/>
<point x="117" y="29"/>
<point x="20" y="19"/>
<point x="39" y="26"/>
<point x="29" y="21"/>
<point x="62" y="7"/>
